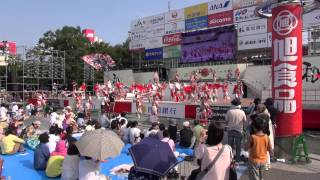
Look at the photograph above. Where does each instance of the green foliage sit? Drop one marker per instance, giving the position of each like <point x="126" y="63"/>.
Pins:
<point x="71" y="40"/>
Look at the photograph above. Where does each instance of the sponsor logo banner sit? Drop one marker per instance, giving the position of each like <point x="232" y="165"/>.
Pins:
<point x="254" y="41"/>
<point x="196" y="11"/>
<point x="172" y="52"/>
<point x="237" y="4"/>
<point x="311" y="19"/>
<point x="138" y="24"/>
<point x="287" y="68"/>
<point x="196" y="23"/>
<point x="154" y="20"/>
<point x="174" y="15"/>
<point x="174" y="27"/>
<point x="172" y="40"/>
<point x="152" y="43"/>
<point x="218" y="6"/>
<point x="155" y="31"/>
<point x="245" y="14"/>
<point x="137" y="44"/>
<point x="138" y="35"/>
<point x="220" y="19"/>
<point x="153" y="54"/>
<point x="252" y="27"/>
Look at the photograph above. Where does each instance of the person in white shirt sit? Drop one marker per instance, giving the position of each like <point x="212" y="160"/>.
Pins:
<point x="15" y="108"/>
<point x="53" y="116"/>
<point x="3" y="116"/>
<point x="134" y="133"/>
<point x="104" y="120"/>
<point x="89" y="169"/>
<point x="53" y="139"/>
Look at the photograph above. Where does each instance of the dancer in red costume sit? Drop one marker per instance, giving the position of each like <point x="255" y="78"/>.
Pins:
<point x="225" y="91"/>
<point x="154" y="110"/>
<point x="139" y="105"/>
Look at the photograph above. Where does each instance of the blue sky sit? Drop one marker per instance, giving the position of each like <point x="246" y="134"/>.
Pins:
<point x="25" y="21"/>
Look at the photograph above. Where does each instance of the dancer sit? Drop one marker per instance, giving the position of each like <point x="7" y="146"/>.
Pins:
<point x="154" y="111"/>
<point x="214" y="75"/>
<point x="225" y="91"/>
<point x="139" y="105"/>
<point x="237" y="74"/>
<point x="229" y="75"/>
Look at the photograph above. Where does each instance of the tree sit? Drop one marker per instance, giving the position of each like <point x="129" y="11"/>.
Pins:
<point x="71" y="40"/>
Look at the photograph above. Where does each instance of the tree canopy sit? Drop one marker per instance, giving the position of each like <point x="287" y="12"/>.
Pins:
<point x="72" y="41"/>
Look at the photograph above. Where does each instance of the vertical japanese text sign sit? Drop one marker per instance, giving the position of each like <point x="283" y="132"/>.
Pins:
<point x="287" y="67"/>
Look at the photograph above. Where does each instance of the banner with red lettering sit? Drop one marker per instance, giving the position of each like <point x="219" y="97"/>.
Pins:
<point x="287" y="67"/>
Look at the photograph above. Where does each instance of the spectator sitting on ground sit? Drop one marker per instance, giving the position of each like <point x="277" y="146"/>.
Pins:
<point x="90" y="169"/>
<point x="162" y="127"/>
<point x="153" y="130"/>
<point x="53" y="116"/>
<point x="53" y="138"/>
<point x="11" y="143"/>
<point x="173" y="129"/>
<point x="126" y="133"/>
<point x="135" y="133"/>
<point x="33" y="131"/>
<point x="166" y="138"/>
<point x="123" y="117"/>
<point x="186" y="136"/>
<point x="70" y="167"/>
<point x="104" y="120"/>
<point x="41" y="153"/>
<point x="3" y="116"/>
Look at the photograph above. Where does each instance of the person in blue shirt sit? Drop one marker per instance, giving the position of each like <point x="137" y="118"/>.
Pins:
<point x="41" y="153"/>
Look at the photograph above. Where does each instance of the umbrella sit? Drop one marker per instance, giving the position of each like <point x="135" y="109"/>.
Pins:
<point x="100" y="144"/>
<point x="153" y="156"/>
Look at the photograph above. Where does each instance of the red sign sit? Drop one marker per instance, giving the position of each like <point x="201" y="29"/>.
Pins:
<point x="89" y="34"/>
<point x="220" y="19"/>
<point x="10" y="47"/>
<point x="287" y="68"/>
<point x="172" y="40"/>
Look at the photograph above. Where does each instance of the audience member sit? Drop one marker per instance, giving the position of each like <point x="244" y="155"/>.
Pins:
<point x="53" y="138"/>
<point x="162" y="127"/>
<point x="11" y="143"/>
<point x="166" y="138"/>
<point x="206" y="153"/>
<point x="236" y="120"/>
<point x="135" y="133"/>
<point x="90" y="169"/>
<point x="197" y="131"/>
<point x="186" y="136"/>
<point x="70" y="167"/>
<point x="41" y="153"/>
<point x="173" y="129"/>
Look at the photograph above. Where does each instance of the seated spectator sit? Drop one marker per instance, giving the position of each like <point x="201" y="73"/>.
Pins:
<point x="134" y="175"/>
<point x="70" y="167"/>
<point x="135" y="133"/>
<point x="153" y="130"/>
<point x="53" y="138"/>
<point x="3" y="116"/>
<point x="41" y="153"/>
<point x="33" y="131"/>
<point x="61" y="149"/>
<point x="54" y="166"/>
<point x="11" y="143"/>
<point x="186" y="136"/>
<point x="166" y="138"/>
<point x="173" y="129"/>
<point x="53" y="116"/>
<point x="123" y="119"/>
<point x="90" y="169"/>
<point x="80" y="119"/>
<point x="125" y="133"/>
<point x="104" y="120"/>
<point x="162" y="127"/>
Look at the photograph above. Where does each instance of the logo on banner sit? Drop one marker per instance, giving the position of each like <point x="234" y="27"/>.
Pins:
<point x="285" y="22"/>
<point x="172" y="39"/>
<point x="174" y="14"/>
<point x="219" y="5"/>
<point x="139" y="24"/>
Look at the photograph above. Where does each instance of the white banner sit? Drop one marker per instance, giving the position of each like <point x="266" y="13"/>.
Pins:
<point x="237" y="4"/>
<point x="174" y="15"/>
<point x="155" y="20"/>
<point x="244" y="14"/>
<point x="136" y="44"/>
<point x="152" y="43"/>
<point x="138" y="24"/>
<point x="166" y="109"/>
<point x="138" y="35"/>
<point x="311" y="19"/>
<point x="254" y="41"/>
<point x="155" y="31"/>
<point x="218" y="6"/>
<point x="174" y="27"/>
<point x="252" y="27"/>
